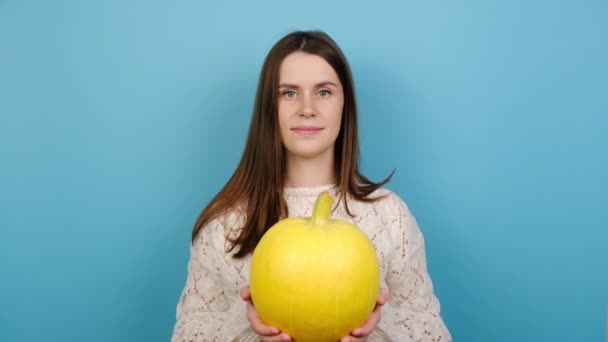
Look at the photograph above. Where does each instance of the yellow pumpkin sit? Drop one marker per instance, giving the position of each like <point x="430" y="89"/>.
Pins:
<point x="315" y="278"/>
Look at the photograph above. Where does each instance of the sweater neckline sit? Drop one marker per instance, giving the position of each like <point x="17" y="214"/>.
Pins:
<point x="309" y="191"/>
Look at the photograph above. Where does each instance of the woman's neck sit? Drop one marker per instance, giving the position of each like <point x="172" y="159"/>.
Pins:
<point x="310" y="173"/>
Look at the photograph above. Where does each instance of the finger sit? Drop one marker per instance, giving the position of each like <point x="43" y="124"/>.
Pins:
<point x="383" y="296"/>
<point x="278" y="338"/>
<point x="369" y="326"/>
<point x="351" y="338"/>
<point x="245" y="293"/>
<point x="256" y="322"/>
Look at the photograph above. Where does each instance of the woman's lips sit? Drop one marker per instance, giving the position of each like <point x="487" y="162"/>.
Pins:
<point x="307" y="130"/>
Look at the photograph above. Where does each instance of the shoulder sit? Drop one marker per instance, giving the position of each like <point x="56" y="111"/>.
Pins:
<point x="390" y="201"/>
<point x="224" y="225"/>
<point x="394" y="213"/>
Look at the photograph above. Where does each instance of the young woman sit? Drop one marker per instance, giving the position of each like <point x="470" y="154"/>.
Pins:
<point x="302" y="141"/>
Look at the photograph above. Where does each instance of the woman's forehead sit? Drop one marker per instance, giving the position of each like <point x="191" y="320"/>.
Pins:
<point x="304" y="69"/>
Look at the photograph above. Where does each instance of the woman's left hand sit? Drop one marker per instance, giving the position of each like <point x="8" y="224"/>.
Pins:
<point x="360" y="334"/>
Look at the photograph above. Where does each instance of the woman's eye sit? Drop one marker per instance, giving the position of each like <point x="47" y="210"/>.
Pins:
<point x="324" y="93"/>
<point x="289" y="93"/>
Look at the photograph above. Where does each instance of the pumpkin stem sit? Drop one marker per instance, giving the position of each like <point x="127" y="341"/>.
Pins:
<point x="322" y="209"/>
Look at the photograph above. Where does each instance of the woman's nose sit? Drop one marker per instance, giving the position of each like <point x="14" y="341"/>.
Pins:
<point x="308" y="106"/>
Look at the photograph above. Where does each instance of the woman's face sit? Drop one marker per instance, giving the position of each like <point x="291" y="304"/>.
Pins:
<point x="310" y="105"/>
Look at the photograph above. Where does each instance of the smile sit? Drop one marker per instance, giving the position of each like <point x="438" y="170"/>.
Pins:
<point x="307" y="130"/>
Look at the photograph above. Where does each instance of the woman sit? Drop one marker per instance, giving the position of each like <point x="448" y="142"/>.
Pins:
<point x="303" y="140"/>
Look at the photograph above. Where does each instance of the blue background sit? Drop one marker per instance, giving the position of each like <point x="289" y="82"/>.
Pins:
<point x="120" y="120"/>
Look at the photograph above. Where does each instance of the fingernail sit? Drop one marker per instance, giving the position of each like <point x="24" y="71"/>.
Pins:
<point x="274" y="330"/>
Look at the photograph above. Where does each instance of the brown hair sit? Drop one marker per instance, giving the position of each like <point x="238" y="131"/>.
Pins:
<point x="258" y="180"/>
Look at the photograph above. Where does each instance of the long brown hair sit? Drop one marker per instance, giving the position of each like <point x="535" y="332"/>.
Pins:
<point x="258" y="180"/>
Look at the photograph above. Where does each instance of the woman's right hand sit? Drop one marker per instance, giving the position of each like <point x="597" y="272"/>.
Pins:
<point x="268" y="334"/>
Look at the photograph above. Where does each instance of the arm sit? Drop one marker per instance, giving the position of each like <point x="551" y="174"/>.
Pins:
<point x="412" y="312"/>
<point x="210" y="308"/>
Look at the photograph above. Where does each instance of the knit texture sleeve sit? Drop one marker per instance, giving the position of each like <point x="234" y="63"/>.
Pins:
<point x="210" y="308"/>
<point x="412" y="312"/>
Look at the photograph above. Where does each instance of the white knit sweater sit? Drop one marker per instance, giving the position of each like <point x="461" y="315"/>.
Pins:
<point x="210" y="308"/>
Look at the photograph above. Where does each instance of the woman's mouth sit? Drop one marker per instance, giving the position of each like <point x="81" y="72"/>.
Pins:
<point x="307" y="130"/>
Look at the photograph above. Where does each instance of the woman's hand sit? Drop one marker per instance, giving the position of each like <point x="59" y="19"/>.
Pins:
<point x="268" y="334"/>
<point x="360" y="334"/>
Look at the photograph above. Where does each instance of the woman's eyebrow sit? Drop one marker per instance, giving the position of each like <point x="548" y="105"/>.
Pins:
<point x="295" y="86"/>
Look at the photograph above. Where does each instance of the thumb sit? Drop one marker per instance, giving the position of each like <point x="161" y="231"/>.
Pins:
<point x="383" y="295"/>
<point x="245" y="293"/>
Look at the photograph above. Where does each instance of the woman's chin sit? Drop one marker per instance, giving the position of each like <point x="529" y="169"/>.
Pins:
<point x="308" y="153"/>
